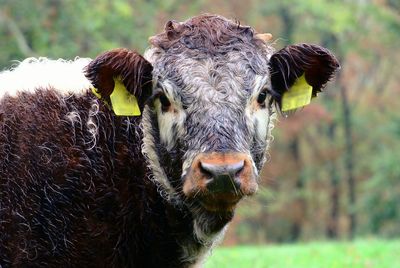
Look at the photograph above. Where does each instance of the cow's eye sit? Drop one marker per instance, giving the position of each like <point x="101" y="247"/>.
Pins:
<point x="164" y="101"/>
<point x="262" y="96"/>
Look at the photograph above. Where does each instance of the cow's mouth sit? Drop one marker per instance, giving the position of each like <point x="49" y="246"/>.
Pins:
<point x="220" y="203"/>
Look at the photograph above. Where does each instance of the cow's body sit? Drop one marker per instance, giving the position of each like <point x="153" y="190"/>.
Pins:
<point x="83" y="187"/>
<point x="70" y="197"/>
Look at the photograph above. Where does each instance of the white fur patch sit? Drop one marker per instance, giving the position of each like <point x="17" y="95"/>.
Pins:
<point x="167" y="120"/>
<point x="65" y="76"/>
<point x="209" y="242"/>
<point x="261" y="116"/>
<point x="149" y="151"/>
<point x="263" y="119"/>
<point x="165" y="123"/>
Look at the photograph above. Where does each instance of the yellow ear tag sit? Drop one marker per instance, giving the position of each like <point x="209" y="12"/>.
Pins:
<point x="123" y="103"/>
<point x="94" y="91"/>
<point x="297" y="96"/>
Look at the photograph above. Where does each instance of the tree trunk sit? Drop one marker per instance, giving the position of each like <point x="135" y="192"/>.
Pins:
<point x="288" y="24"/>
<point x="299" y="202"/>
<point x="331" y="40"/>
<point x="333" y="221"/>
<point x="349" y="159"/>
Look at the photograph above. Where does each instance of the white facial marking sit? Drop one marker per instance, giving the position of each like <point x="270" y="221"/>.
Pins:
<point x="259" y="116"/>
<point x="65" y="76"/>
<point x="166" y="120"/>
<point x="262" y="117"/>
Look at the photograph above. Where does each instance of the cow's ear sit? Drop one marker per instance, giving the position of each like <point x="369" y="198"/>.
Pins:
<point x="122" y="78"/>
<point x="299" y="72"/>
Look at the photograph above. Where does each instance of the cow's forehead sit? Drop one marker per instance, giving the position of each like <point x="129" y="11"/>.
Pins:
<point x="235" y="72"/>
<point x="209" y="49"/>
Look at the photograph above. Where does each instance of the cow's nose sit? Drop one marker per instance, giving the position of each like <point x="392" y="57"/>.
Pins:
<point x="222" y="177"/>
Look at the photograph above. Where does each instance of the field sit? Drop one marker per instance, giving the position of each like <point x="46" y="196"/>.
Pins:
<point x="362" y="253"/>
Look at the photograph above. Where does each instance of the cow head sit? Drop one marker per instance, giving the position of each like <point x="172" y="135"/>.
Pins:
<point x="209" y="108"/>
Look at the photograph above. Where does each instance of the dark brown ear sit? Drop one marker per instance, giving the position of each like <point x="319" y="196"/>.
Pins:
<point x="317" y="63"/>
<point x="134" y="71"/>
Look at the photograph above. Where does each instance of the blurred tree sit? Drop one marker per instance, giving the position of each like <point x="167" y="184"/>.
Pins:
<point x="345" y="33"/>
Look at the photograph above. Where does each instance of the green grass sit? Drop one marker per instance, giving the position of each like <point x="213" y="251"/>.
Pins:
<point x="363" y="253"/>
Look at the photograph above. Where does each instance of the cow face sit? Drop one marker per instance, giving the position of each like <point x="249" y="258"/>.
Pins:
<point x="207" y="124"/>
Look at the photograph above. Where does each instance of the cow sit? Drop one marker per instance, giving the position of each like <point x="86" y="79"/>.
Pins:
<point x="140" y="161"/>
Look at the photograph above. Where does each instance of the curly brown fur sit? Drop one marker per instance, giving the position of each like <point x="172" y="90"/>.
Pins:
<point x="64" y="203"/>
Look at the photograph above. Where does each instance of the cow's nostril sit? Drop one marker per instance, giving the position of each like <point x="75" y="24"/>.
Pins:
<point x="216" y="170"/>
<point x="205" y="171"/>
<point x="223" y="178"/>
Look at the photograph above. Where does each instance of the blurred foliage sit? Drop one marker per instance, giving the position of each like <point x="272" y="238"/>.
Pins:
<point x="305" y="190"/>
